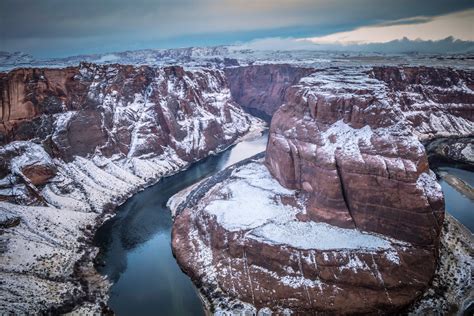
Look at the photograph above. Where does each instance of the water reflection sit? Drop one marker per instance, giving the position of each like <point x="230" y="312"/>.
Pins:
<point x="460" y="206"/>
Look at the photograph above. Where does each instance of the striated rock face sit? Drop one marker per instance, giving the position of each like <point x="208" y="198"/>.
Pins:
<point x="26" y="94"/>
<point x="351" y="143"/>
<point x="438" y="102"/>
<point x="77" y="142"/>
<point x="261" y="89"/>
<point x="131" y="111"/>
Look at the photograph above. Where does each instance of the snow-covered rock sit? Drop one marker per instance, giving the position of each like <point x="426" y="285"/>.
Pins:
<point x="239" y="235"/>
<point x="351" y="140"/>
<point x="352" y="191"/>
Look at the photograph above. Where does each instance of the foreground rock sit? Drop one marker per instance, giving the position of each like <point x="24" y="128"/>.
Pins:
<point x="77" y="143"/>
<point x="239" y="236"/>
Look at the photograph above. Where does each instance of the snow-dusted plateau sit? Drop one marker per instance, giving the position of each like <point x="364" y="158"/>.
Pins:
<point x="342" y="214"/>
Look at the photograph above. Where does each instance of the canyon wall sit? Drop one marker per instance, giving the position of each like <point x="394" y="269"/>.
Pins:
<point x="117" y="111"/>
<point x="77" y="142"/>
<point x="342" y="215"/>
<point x="260" y="89"/>
<point x="345" y="157"/>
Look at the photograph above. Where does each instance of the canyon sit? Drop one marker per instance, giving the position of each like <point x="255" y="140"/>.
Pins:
<point x="341" y="214"/>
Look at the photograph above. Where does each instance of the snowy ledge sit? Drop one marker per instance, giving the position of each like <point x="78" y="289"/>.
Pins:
<point x="250" y="200"/>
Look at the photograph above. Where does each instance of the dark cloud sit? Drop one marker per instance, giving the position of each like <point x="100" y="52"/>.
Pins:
<point x="59" y="27"/>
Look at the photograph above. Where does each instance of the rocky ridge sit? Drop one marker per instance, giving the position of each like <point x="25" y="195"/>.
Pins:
<point x="350" y="140"/>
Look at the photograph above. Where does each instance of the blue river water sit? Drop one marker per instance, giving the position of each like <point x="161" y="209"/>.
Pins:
<point x="459" y="205"/>
<point x="136" y="244"/>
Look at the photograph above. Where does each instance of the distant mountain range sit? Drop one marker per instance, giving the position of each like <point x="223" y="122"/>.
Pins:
<point x="276" y="50"/>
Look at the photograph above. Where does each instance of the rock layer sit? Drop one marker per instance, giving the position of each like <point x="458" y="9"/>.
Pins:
<point x="80" y="142"/>
<point x="117" y="111"/>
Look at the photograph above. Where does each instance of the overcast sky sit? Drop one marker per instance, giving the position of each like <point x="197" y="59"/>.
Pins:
<point x="54" y="28"/>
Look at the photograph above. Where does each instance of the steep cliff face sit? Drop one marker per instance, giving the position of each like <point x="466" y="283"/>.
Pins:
<point x="437" y="102"/>
<point x="261" y="89"/>
<point x="120" y="110"/>
<point x="26" y="94"/>
<point x="351" y="142"/>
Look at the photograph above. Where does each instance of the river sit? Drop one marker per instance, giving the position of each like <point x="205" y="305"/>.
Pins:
<point x="136" y="244"/>
<point x="459" y="205"/>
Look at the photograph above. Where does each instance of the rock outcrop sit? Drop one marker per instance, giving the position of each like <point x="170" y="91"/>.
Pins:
<point x="117" y="111"/>
<point x="350" y="219"/>
<point x="125" y="110"/>
<point x="261" y="89"/>
<point x="351" y="142"/>
<point x="24" y="167"/>
<point x="240" y="237"/>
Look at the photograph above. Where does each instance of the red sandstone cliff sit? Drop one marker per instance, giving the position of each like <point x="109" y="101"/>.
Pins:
<point x="351" y="142"/>
<point x="117" y="111"/>
<point x="261" y="89"/>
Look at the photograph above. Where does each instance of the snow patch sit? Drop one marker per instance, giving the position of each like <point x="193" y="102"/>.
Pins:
<point x="251" y="201"/>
